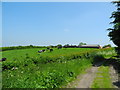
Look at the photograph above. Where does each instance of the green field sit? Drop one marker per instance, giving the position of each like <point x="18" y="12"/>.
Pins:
<point x="19" y="54"/>
<point x="26" y="68"/>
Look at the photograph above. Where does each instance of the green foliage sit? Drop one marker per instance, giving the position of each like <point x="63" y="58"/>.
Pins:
<point x="51" y="46"/>
<point x="59" y="46"/>
<point x="66" y="45"/>
<point x="114" y="33"/>
<point x="43" y="76"/>
<point x="19" y="47"/>
<point x="81" y="43"/>
<point x="105" y="46"/>
<point x="118" y="51"/>
<point x="26" y="68"/>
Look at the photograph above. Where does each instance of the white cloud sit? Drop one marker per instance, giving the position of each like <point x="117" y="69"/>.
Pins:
<point x="66" y="30"/>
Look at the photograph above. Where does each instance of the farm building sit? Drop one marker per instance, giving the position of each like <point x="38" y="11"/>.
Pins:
<point x="90" y="46"/>
<point x="107" y="47"/>
<point x="83" y="46"/>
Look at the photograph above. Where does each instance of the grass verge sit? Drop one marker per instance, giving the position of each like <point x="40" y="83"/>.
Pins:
<point x="102" y="79"/>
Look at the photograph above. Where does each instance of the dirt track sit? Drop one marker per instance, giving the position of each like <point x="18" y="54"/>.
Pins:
<point x="85" y="80"/>
<point x="88" y="78"/>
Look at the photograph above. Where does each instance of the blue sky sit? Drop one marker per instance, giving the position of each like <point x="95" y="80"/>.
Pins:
<point x="51" y="23"/>
<point x="0" y="24"/>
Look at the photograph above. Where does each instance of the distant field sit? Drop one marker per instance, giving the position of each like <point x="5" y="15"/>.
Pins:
<point x="26" y="68"/>
<point x="33" y="52"/>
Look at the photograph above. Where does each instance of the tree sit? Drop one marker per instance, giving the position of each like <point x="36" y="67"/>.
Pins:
<point x="114" y="32"/>
<point x="59" y="46"/>
<point x="50" y="46"/>
<point x="81" y="43"/>
<point x="31" y="45"/>
<point x="105" y="46"/>
<point x="66" y="46"/>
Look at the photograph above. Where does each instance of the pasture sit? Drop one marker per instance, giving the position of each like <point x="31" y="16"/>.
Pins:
<point x="33" y="52"/>
<point x="26" y="68"/>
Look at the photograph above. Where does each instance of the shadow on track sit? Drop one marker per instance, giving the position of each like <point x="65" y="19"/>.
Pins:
<point x="115" y="63"/>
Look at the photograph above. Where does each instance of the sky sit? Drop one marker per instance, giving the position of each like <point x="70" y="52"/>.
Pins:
<point x="52" y="23"/>
<point x="56" y="0"/>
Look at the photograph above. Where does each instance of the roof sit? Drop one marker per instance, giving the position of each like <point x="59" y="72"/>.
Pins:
<point x="90" y="46"/>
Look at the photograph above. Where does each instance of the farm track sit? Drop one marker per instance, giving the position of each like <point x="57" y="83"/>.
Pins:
<point x="86" y="80"/>
<point x="114" y="77"/>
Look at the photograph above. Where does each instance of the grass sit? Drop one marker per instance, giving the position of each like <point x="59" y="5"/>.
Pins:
<point x="26" y="68"/>
<point x="33" y="52"/>
<point x="48" y="75"/>
<point x="102" y="79"/>
<point x="23" y="57"/>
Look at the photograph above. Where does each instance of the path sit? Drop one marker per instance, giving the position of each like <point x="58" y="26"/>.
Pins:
<point x="85" y="80"/>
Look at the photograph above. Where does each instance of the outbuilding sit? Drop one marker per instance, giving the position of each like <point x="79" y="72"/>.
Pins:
<point x="90" y="46"/>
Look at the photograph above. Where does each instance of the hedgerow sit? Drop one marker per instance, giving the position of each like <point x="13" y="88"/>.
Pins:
<point x="19" y="47"/>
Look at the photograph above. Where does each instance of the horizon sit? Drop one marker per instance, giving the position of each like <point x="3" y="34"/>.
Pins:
<point x="53" y="23"/>
<point x="57" y="44"/>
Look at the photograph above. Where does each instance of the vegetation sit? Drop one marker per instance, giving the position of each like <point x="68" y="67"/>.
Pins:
<point x="19" y="47"/>
<point x="26" y="68"/>
<point x="114" y="33"/>
<point x="81" y="43"/>
<point x="59" y="46"/>
<point x="66" y="45"/>
<point x="102" y="79"/>
<point x="48" y="75"/>
<point x="105" y="46"/>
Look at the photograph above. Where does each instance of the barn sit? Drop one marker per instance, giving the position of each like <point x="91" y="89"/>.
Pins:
<point x="90" y="46"/>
